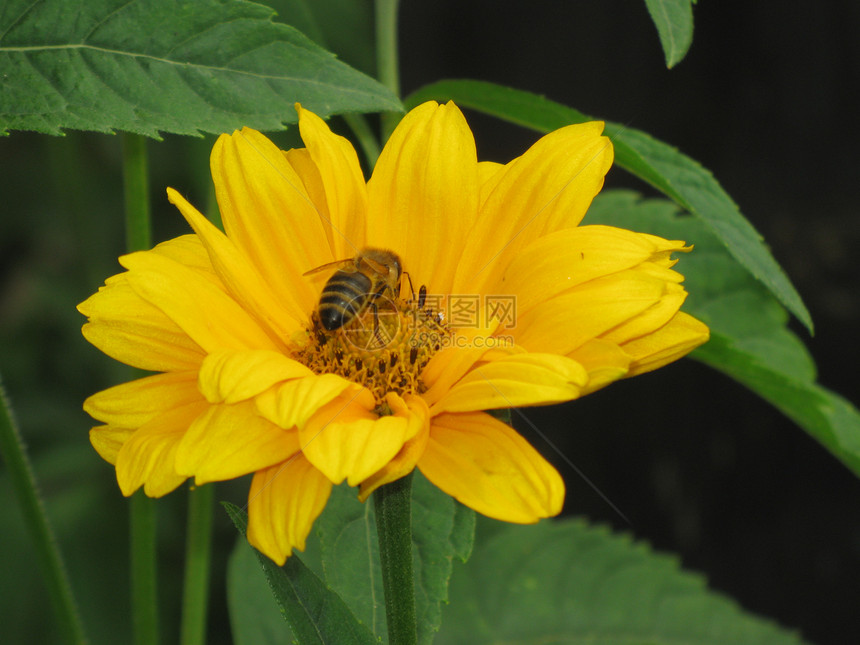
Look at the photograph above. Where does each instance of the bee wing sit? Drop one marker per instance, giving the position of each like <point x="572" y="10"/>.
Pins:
<point x="378" y="267"/>
<point x="339" y="264"/>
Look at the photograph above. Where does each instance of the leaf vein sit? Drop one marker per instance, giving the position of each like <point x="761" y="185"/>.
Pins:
<point x="48" y="80"/>
<point x="186" y="65"/>
<point x="19" y="18"/>
<point x="105" y="19"/>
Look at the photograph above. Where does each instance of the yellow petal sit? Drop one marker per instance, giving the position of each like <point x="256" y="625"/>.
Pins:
<point x="570" y="320"/>
<point x="283" y="504"/>
<point x="346" y="440"/>
<point x="231" y="376"/>
<point x="487" y="174"/>
<point x="239" y="276"/>
<point x="133" y="404"/>
<point x="490" y="468"/>
<point x="448" y="365"/>
<point x="547" y="189"/>
<point x="107" y="440"/>
<point x="294" y="402"/>
<point x="416" y="412"/>
<point x="204" y="312"/>
<point x="189" y="251"/>
<point x="128" y="328"/>
<point x="267" y="213"/>
<point x="653" y="318"/>
<point x="669" y="343"/>
<point x="343" y="181"/>
<point x="423" y="195"/>
<point x="148" y="457"/>
<point x="513" y="381"/>
<point x="446" y="368"/>
<point x="604" y="361"/>
<point x="301" y="161"/>
<point x="560" y="261"/>
<point x="229" y="441"/>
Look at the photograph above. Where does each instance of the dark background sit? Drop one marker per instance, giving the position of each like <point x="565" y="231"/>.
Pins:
<point x="698" y="465"/>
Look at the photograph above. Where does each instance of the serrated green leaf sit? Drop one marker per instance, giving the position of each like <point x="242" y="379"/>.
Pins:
<point x="674" y="22"/>
<point x="749" y="338"/>
<point x="442" y="530"/>
<point x="676" y="175"/>
<point x="568" y="583"/>
<point x="462" y="535"/>
<point x="315" y="613"/>
<point x="350" y="556"/>
<point x="150" y="66"/>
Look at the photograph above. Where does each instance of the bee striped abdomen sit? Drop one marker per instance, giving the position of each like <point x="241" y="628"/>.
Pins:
<point x="344" y="297"/>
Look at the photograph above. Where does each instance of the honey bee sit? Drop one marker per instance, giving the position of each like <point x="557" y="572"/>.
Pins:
<point x="356" y="286"/>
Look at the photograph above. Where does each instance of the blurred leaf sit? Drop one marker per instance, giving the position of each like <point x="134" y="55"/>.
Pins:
<point x="749" y="338"/>
<point x="831" y="419"/>
<point x="254" y="615"/>
<point x="341" y="26"/>
<point x="41" y="533"/>
<point x="674" y="22"/>
<point x="151" y="66"/>
<point x="567" y="582"/>
<point x="442" y="529"/>
<point x="679" y="177"/>
<point x="316" y="614"/>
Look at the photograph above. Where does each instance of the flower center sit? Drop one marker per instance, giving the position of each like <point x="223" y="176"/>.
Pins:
<point x="384" y="348"/>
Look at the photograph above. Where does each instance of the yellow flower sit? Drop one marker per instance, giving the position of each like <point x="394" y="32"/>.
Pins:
<point x="504" y="302"/>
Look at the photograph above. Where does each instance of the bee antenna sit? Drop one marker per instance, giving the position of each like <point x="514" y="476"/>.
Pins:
<point x="411" y="288"/>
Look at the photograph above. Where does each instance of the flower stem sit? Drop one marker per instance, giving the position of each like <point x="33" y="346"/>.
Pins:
<point x="366" y="139"/>
<point x="144" y="596"/>
<point x="393" y="503"/>
<point x="198" y="549"/>
<point x="47" y="551"/>
<point x="138" y="234"/>
<point x="387" y="63"/>
<point x="138" y="237"/>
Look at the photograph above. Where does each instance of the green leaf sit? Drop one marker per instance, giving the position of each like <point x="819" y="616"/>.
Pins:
<point x="674" y="22"/>
<point x="342" y="26"/>
<point x="749" y="338"/>
<point x="669" y="171"/>
<point x="22" y="478"/>
<point x="442" y="530"/>
<point x="828" y="417"/>
<point x="569" y="583"/>
<point x="150" y="66"/>
<point x="316" y="614"/>
<point x="255" y="618"/>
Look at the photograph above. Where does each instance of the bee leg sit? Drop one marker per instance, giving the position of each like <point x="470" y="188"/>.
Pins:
<point x="411" y="288"/>
<point x="376" y="335"/>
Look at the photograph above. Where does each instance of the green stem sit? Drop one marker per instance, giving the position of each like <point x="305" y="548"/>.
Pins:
<point x="364" y="135"/>
<point x="144" y="596"/>
<point x="138" y="237"/>
<point x="47" y="551"/>
<point x="387" y="62"/>
<point x="198" y="549"/>
<point x="393" y="503"/>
